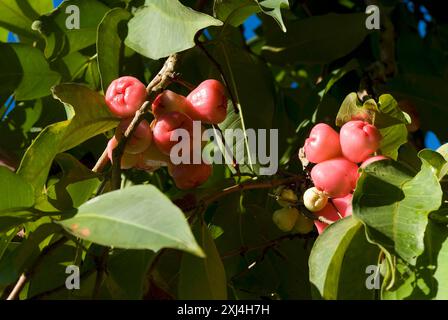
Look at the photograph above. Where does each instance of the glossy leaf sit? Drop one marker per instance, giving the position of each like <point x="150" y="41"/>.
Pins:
<point x="394" y="205"/>
<point x="161" y="28"/>
<point x="88" y="117"/>
<point x="15" y="192"/>
<point x="138" y="217"/>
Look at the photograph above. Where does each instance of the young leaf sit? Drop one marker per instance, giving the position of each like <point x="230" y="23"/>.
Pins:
<point x="161" y="28"/>
<point x="137" y="217"/>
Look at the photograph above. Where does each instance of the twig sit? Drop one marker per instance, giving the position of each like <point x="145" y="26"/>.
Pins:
<point x="25" y="275"/>
<point x="102" y="162"/>
<point x="101" y="269"/>
<point x="158" y="83"/>
<point x="250" y="185"/>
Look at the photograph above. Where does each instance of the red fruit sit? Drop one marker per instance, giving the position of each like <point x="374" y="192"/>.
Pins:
<point x="336" y="177"/>
<point x="344" y="205"/>
<point x="189" y="176"/>
<point x="372" y="160"/>
<point x="322" y="144"/>
<point x="209" y="102"/>
<point x="359" y="140"/>
<point x="140" y="140"/>
<point x="166" y="125"/>
<point x="169" y="101"/>
<point x="125" y="95"/>
<point x="127" y="160"/>
<point x="328" y="212"/>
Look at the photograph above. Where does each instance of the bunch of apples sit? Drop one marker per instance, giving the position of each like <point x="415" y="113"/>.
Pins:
<point x="337" y="158"/>
<point x="150" y="146"/>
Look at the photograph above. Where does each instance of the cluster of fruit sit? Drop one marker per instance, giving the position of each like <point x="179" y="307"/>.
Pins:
<point x="336" y="157"/>
<point x="150" y="146"/>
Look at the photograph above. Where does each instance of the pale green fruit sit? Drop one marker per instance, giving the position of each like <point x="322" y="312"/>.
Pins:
<point x="314" y="199"/>
<point x="287" y="198"/>
<point x="303" y="225"/>
<point x="285" y="218"/>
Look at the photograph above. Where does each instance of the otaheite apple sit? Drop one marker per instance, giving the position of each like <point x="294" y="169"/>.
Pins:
<point x="189" y="176"/>
<point x="303" y="225"/>
<point x="209" y="102"/>
<point x="285" y="218"/>
<point x="314" y="199"/>
<point x="125" y="95"/>
<point x="169" y="101"/>
<point x="166" y="125"/>
<point x="359" y="140"/>
<point x="152" y="158"/>
<point x="328" y="212"/>
<point x="322" y="144"/>
<point x="335" y="177"/>
<point x="287" y="198"/>
<point x="344" y="205"/>
<point x="141" y="138"/>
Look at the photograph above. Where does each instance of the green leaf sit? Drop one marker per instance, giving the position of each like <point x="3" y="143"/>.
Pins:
<point x="394" y="205"/>
<point x="203" y="278"/>
<point x="18" y="15"/>
<point x="109" y="43"/>
<point x="5" y="240"/>
<point x="15" y="262"/>
<point x="351" y="108"/>
<point x="328" y="259"/>
<point x="316" y="40"/>
<point x="428" y="279"/>
<point x="161" y="28"/>
<point x="247" y="73"/>
<point x="15" y="191"/>
<point x="24" y="72"/>
<point x="392" y="125"/>
<point x="272" y="8"/>
<point x="59" y="39"/>
<point x="235" y="12"/>
<point x="138" y="217"/>
<point x="436" y="160"/>
<point x="88" y="117"/>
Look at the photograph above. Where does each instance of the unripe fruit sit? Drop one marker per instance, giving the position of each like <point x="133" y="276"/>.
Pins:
<point x="169" y="101"/>
<point x="314" y="200"/>
<point x="209" y="102"/>
<point x="328" y="212"/>
<point x="141" y="138"/>
<point x="152" y="158"/>
<point x="359" y="140"/>
<point x="372" y="160"/>
<point x="127" y="160"/>
<point x="189" y="176"/>
<point x="303" y="225"/>
<point x="166" y="125"/>
<point x="285" y="218"/>
<point x="322" y="144"/>
<point x="125" y="95"/>
<point x="336" y="177"/>
<point x="344" y="205"/>
<point x="287" y="198"/>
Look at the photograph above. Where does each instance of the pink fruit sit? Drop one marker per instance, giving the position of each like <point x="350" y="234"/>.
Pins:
<point x="169" y="101"/>
<point x="322" y="144"/>
<point x="127" y="160"/>
<point x="189" y="176"/>
<point x="125" y="95"/>
<point x="328" y="212"/>
<point x="209" y="102"/>
<point x="166" y="125"/>
<point x="344" y="205"/>
<point x="359" y="140"/>
<point x="336" y="177"/>
<point x="372" y="160"/>
<point x="140" y="140"/>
